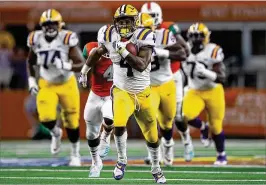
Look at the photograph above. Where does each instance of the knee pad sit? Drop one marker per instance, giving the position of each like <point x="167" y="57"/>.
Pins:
<point x="94" y="142"/>
<point x="153" y="145"/>
<point x="73" y="134"/>
<point x="181" y="125"/>
<point x="92" y="130"/>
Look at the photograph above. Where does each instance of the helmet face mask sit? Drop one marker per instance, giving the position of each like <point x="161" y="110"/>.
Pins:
<point x="50" y="28"/>
<point x="156" y="18"/>
<point x="125" y="26"/>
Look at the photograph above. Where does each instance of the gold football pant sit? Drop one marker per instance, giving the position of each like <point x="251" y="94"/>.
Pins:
<point x="164" y="101"/>
<point x="125" y="104"/>
<point x="66" y="94"/>
<point x="214" y="102"/>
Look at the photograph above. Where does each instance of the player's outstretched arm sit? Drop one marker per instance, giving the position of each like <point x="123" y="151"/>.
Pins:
<point x="141" y="61"/>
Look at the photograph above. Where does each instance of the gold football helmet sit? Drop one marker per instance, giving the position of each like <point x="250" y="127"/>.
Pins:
<point x="51" y="22"/>
<point x="126" y="20"/>
<point x="199" y="31"/>
<point x="146" y="21"/>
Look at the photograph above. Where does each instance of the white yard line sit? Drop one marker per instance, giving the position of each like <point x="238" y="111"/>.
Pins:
<point x="82" y="178"/>
<point x="128" y="171"/>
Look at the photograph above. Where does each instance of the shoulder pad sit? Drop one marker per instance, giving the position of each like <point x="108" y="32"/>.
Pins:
<point x="33" y="38"/>
<point x="70" y="38"/>
<point x="214" y="48"/>
<point x="165" y="36"/>
<point x="142" y="33"/>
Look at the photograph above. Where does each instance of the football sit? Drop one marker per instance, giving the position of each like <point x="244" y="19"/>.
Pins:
<point x="132" y="48"/>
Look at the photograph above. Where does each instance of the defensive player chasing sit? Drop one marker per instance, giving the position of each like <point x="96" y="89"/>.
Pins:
<point x="98" y="109"/>
<point x="131" y="91"/>
<point x="170" y="31"/>
<point x="206" y="73"/>
<point x="51" y="49"/>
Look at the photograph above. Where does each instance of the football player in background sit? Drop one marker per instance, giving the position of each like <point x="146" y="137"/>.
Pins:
<point x="163" y="85"/>
<point x="98" y="108"/>
<point x="206" y="74"/>
<point x="155" y="11"/>
<point x="131" y="90"/>
<point x="51" y="49"/>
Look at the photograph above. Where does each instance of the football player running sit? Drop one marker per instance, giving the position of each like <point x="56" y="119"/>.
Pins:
<point x="131" y="90"/>
<point x="163" y="85"/>
<point x="155" y="11"/>
<point x="51" y="49"/>
<point x="206" y="74"/>
<point x="98" y="108"/>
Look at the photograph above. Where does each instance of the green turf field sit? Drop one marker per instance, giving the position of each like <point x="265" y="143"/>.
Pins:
<point x="246" y="165"/>
<point x="134" y="175"/>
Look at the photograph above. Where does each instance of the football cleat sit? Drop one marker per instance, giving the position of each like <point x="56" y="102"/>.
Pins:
<point x="56" y="142"/>
<point x="95" y="170"/>
<point x="104" y="147"/>
<point x="159" y="177"/>
<point x="221" y="160"/>
<point x="188" y="151"/>
<point x="119" y="171"/>
<point x="75" y="161"/>
<point x="204" y="135"/>
<point x="168" y="151"/>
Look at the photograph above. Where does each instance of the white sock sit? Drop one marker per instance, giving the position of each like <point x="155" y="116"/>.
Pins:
<point x="121" y="146"/>
<point x="155" y="166"/>
<point x="55" y="131"/>
<point x="149" y="154"/>
<point x="75" y="148"/>
<point x="95" y="155"/>
<point x="185" y="136"/>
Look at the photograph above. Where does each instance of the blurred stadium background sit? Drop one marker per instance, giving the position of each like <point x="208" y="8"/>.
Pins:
<point x="238" y="27"/>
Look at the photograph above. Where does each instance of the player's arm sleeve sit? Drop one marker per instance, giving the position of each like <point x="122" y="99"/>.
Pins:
<point x="171" y="39"/>
<point x="71" y="39"/>
<point x="85" y="52"/>
<point x="217" y="54"/>
<point x="174" y="28"/>
<point x="31" y="40"/>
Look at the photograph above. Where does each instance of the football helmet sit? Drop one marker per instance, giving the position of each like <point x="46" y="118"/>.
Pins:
<point x="154" y="10"/>
<point x="126" y="20"/>
<point x="51" y="22"/>
<point x="146" y="21"/>
<point x="198" y="36"/>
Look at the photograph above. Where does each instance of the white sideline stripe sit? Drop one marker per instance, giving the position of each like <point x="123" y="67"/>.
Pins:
<point x="82" y="178"/>
<point x="129" y="171"/>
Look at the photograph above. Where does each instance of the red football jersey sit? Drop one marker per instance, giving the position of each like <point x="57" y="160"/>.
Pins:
<point x="102" y="72"/>
<point x="176" y="64"/>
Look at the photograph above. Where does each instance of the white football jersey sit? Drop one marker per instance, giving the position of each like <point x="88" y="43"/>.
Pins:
<point x="124" y="76"/>
<point x="210" y="55"/>
<point x="48" y="52"/>
<point x="160" y="67"/>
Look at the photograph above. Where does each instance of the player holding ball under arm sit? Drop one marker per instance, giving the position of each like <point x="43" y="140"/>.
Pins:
<point x="131" y="78"/>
